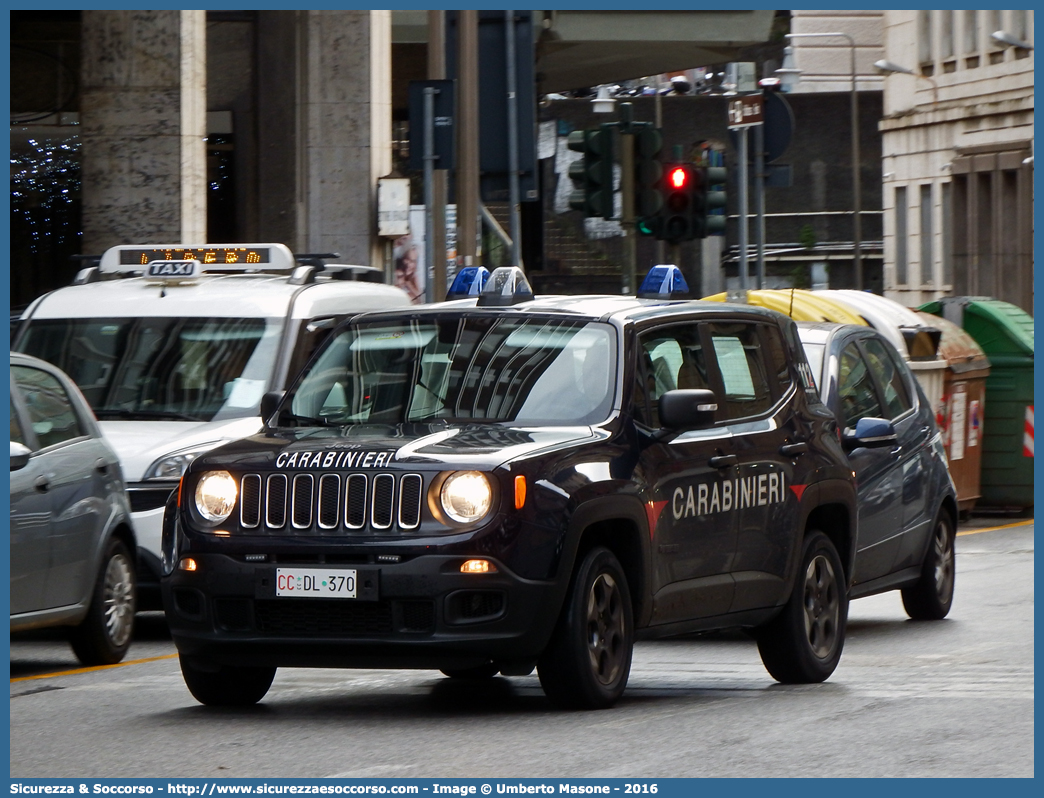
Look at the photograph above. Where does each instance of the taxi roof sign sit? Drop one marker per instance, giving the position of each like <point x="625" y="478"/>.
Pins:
<point x="212" y="257"/>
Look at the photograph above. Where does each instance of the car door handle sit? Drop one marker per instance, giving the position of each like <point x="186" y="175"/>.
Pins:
<point x="791" y="449"/>
<point x="101" y="466"/>
<point x="723" y="461"/>
<point x="42" y="484"/>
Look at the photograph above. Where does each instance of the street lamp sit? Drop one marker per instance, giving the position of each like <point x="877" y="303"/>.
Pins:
<point x="857" y="225"/>
<point x="888" y="66"/>
<point x="1004" y="37"/>
<point x="602" y="102"/>
<point x="789" y="74"/>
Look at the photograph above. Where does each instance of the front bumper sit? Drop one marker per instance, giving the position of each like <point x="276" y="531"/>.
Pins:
<point x="147" y="506"/>
<point x="420" y="613"/>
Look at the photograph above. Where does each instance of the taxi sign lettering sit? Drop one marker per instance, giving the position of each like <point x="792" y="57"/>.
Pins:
<point x="173" y="268"/>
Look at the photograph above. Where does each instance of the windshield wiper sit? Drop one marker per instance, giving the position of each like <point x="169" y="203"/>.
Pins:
<point x="124" y="413"/>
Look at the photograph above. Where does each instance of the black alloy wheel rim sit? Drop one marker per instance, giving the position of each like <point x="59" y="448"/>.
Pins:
<point x="822" y="602"/>
<point x="606" y="629"/>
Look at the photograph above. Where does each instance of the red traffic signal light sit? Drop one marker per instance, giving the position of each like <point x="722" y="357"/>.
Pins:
<point x="678" y="177"/>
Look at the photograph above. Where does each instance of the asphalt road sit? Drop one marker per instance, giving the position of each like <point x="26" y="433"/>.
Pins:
<point x="948" y="698"/>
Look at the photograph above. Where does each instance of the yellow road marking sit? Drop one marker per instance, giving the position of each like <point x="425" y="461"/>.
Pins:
<point x="89" y="670"/>
<point x="994" y="528"/>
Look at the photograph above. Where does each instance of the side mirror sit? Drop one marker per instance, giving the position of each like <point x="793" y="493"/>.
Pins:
<point x="269" y="404"/>
<point x="688" y="408"/>
<point x="20" y="454"/>
<point x="871" y="433"/>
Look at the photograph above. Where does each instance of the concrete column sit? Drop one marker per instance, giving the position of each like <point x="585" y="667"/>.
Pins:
<point x="142" y="124"/>
<point x="344" y="126"/>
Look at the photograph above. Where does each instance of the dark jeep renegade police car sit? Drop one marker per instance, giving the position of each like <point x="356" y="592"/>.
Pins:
<point x="509" y="482"/>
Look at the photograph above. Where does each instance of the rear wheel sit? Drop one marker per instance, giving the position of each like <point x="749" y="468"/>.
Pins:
<point x="226" y="686"/>
<point x="588" y="660"/>
<point x="803" y="643"/>
<point x="104" y="636"/>
<point x="930" y="599"/>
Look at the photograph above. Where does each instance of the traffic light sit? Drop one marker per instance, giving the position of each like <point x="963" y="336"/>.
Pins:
<point x="648" y="172"/>
<point x="679" y="210"/>
<point x="592" y="175"/>
<point x="713" y="205"/>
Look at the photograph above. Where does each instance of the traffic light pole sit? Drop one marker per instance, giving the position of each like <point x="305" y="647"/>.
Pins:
<point x="759" y="203"/>
<point x="627" y="128"/>
<point x="627" y="211"/>
<point x="512" y="104"/>
<point x="743" y="210"/>
<point x="429" y="192"/>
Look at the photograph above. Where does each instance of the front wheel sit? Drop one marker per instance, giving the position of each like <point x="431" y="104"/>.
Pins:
<point x="227" y="686"/>
<point x="104" y="635"/>
<point x="930" y="599"/>
<point x="588" y="660"/>
<point x="803" y="643"/>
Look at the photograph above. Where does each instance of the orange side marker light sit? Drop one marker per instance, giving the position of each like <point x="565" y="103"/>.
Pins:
<point x="520" y="492"/>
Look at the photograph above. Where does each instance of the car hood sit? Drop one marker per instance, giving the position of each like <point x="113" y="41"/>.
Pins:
<point x="138" y="444"/>
<point x="478" y="446"/>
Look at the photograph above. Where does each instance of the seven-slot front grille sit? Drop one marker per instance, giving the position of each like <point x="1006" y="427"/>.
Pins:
<point x="331" y="503"/>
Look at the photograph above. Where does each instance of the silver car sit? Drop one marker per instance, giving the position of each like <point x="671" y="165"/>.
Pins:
<point x="72" y="543"/>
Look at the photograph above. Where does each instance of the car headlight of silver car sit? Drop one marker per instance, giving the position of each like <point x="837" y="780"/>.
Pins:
<point x="466" y="496"/>
<point x="216" y="494"/>
<point x="172" y="466"/>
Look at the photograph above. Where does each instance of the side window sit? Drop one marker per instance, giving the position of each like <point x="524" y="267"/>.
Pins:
<point x="741" y="362"/>
<point x="776" y="354"/>
<point x="50" y="410"/>
<point x="310" y="336"/>
<point x="856" y="388"/>
<point x="890" y="376"/>
<point x="671" y="358"/>
<point x="16" y="427"/>
<point x="642" y="392"/>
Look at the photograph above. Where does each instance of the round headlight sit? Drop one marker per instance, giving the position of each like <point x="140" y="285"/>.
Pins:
<point x="466" y="496"/>
<point x="216" y="495"/>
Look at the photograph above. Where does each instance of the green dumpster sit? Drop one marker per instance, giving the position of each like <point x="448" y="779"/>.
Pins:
<point x="1005" y="333"/>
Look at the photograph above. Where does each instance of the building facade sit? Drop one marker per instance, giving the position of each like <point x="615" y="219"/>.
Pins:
<point x="957" y="140"/>
<point x="826" y="61"/>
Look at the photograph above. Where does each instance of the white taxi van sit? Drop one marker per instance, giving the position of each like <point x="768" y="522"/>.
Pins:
<point x="174" y="346"/>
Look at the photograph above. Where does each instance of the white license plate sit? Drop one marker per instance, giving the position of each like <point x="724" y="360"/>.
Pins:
<point x="315" y="583"/>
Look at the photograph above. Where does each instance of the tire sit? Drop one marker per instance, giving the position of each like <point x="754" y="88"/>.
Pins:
<point x="588" y="660"/>
<point x="803" y="643"/>
<point x="481" y="672"/>
<point x="105" y="634"/>
<point x="930" y="599"/>
<point x="227" y="686"/>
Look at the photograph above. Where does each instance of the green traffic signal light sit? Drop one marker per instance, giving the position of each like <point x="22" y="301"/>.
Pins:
<point x="649" y="226"/>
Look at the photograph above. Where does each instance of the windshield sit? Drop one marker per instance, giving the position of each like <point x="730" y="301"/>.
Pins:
<point x="191" y="369"/>
<point x="462" y="368"/>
